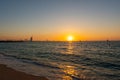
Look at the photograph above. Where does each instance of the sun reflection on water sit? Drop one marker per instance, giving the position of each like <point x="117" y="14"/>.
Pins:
<point x="69" y="72"/>
<point x="67" y="78"/>
<point x="70" y="48"/>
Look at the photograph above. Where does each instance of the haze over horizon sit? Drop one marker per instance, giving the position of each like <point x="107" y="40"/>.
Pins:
<point x="57" y="19"/>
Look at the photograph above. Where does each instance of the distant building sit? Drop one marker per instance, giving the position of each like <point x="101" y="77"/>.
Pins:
<point x="31" y="39"/>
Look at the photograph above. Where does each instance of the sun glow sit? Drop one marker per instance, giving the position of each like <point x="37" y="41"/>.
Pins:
<point x="70" y="38"/>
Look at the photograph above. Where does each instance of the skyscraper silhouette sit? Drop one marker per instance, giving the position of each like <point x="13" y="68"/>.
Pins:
<point x="31" y="39"/>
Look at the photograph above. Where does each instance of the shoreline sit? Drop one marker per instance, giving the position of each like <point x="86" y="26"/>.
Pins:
<point x="7" y="73"/>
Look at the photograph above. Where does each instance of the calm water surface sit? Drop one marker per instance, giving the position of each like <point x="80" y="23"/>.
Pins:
<point x="64" y="60"/>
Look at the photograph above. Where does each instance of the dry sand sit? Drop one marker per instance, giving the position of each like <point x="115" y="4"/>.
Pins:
<point x="7" y="73"/>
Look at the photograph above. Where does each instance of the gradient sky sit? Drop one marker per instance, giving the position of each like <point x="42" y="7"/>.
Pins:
<point x="56" y="19"/>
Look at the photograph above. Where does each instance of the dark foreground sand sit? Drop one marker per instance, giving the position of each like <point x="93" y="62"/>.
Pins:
<point x="11" y="74"/>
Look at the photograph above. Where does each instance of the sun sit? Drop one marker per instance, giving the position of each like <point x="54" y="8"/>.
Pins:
<point x="70" y="38"/>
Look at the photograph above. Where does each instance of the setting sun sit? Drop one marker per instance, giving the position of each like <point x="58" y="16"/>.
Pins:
<point x="70" y="38"/>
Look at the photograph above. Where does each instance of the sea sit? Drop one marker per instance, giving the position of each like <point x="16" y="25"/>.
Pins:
<point x="59" y="60"/>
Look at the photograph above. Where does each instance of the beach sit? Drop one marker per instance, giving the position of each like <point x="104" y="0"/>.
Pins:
<point x="7" y="73"/>
<point x="60" y="60"/>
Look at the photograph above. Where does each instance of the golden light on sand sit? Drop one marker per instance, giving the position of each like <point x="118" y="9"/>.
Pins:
<point x="70" y="38"/>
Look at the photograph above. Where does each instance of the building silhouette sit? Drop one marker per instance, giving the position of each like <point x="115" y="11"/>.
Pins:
<point x="31" y="39"/>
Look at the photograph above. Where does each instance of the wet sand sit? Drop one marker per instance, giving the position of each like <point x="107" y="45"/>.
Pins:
<point x="7" y="73"/>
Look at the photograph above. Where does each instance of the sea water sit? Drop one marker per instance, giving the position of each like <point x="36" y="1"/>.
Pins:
<point x="64" y="60"/>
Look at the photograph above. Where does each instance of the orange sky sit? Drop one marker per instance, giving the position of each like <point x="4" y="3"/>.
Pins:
<point x="57" y="19"/>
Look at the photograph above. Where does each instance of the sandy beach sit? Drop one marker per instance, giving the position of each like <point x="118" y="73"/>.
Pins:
<point x="7" y="73"/>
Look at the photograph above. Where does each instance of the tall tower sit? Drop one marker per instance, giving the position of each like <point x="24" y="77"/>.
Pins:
<point x="31" y="39"/>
